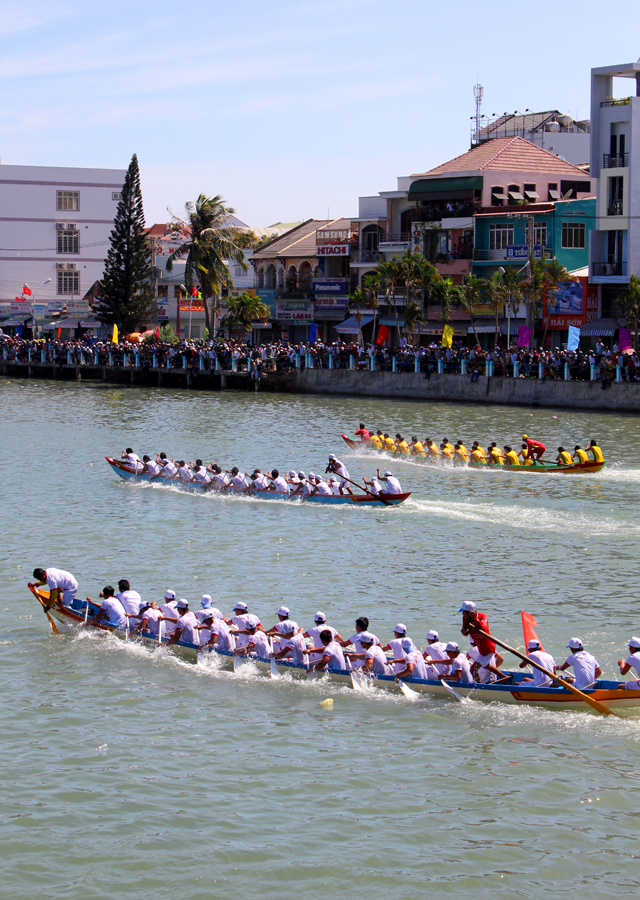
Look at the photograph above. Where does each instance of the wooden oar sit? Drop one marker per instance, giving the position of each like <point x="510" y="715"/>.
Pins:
<point x="36" y="593"/>
<point x="595" y="704"/>
<point x="408" y="692"/>
<point x="371" y="494"/>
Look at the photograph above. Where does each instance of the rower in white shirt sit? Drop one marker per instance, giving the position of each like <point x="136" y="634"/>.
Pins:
<point x="631" y="662"/>
<point x="199" y="472"/>
<point x="460" y="668"/>
<point x="242" y="614"/>
<point x="237" y="480"/>
<point x="62" y="585"/>
<point x="330" y="653"/>
<point x="151" y="467"/>
<point x="393" y="485"/>
<point x="395" y="645"/>
<point x="111" y="612"/>
<point x="370" y="657"/>
<point x="320" y="487"/>
<point x="309" y="485"/>
<point x="132" y="459"/>
<point x="207" y="607"/>
<point x="334" y="484"/>
<point x="131" y="600"/>
<point x="294" y="481"/>
<point x="374" y="485"/>
<point x="149" y="618"/>
<point x="278" y="482"/>
<point x="169" y="613"/>
<point x="184" y="472"/>
<point x="435" y="650"/>
<point x="414" y="664"/>
<point x="585" y="666"/>
<point x="251" y="641"/>
<point x="218" y="478"/>
<point x="186" y="630"/>
<point x="259" y="481"/>
<point x="169" y="468"/>
<point x="537" y="654"/>
<point x="314" y="633"/>
<point x="280" y="626"/>
<point x="357" y="658"/>
<point x="292" y="644"/>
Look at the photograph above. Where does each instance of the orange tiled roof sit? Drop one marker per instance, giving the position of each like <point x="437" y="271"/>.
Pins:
<point x="300" y="241"/>
<point x="508" y="154"/>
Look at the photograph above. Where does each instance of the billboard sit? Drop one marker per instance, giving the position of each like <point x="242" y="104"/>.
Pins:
<point x="333" y="249"/>
<point x="573" y="303"/>
<point x="330" y="286"/>
<point x="294" y="312"/>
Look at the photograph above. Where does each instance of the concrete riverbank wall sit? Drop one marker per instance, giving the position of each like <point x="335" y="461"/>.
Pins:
<point x="393" y="385"/>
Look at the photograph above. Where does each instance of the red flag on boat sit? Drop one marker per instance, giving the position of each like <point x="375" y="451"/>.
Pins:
<point x="383" y="333"/>
<point x="26" y="290"/>
<point x="528" y="628"/>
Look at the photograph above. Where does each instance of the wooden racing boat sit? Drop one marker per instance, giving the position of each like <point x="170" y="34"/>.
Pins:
<point x="541" y="468"/>
<point x="129" y="474"/>
<point x="515" y="692"/>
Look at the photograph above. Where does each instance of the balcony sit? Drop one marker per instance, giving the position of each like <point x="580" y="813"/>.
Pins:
<point x="366" y="256"/>
<point x="615" y="208"/>
<point x="608" y="269"/>
<point x="401" y="237"/>
<point x="609" y="161"/>
<point x="488" y="255"/>
<point x="616" y="101"/>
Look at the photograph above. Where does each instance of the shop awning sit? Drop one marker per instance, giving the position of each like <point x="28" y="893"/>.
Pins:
<point x="12" y="321"/>
<point x="483" y="329"/>
<point x="391" y="321"/>
<point x="599" y="328"/>
<point x="351" y="326"/>
<point x="456" y="188"/>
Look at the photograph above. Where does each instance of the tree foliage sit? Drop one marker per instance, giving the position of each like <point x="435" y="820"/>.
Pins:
<point x="124" y="296"/>
<point x="628" y="306"/>
<point x="242" y="311"/>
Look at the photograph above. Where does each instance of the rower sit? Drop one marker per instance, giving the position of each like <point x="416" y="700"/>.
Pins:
<point x="199" y="472"/>
<point x="369" y="657"/>
<point x="596" y="451"/>
<point x="237" y="480"/>
<point x="62" y="586"/>
<point x="133" y="460"/>
<point x="260" y="482"/>
<point x="401" y="446"/>
<point x="362" y="626"/>
<point x="395" y="644"/>
<point x="510" y="456"/>
<point x="376" y="440"/>
<point x="526" y="455"/>
<point x="169" y="468"/>
<point x="329" y="651"/>
<point x="278" y="483"/>
<point x="585" y="666"/>
<point x="219" y="479"/>
<point x="392" y="484"/>
<point x="388" y="443"/>
<point x="535" y="448"/>
<point x="484" y="672"/>
<point x="374" y="485"/>
<point x="495" y="455"/>
<point x="131" y="600"/>
<point x="252" y="641"/>
<point x="283" y="618"/>
<point x="446" y="449"/>
<point x="150" y="618"/>
<point x="460" y="668"/>
<point x="307" y="488"/>
<point x="538" y="655"/>
<point x="214" y="632"/>
<point x="207" y="607"/>
<point x="478" y="455"/>
<point x="321" y="487"/>
<point x="417" y="447"/>
<point x="184" y="472"/>
<point x="151" y="467"/>
<point x="314" y="633"/>
<point x="435" y="651"/>
<point x="564" y="458"/>
<point x="631" y="662"/>
<point x="362" y="433"/>
<point x="432" y="448"/>
<point x="472" y="620"/>
<point x="580" y="454"/>
<point x="293" y="481"/>
<point x="414" y="664"/>
<point x="336" y="467"/>
<point x="292" y="644"/>
<point x="111" y="612"/>
<point x="334" y="484"/>
<point x="186" y="630"/>
<point x="460" y="453"/>
<point x="242" y="611"/>
<point x="169" y="612"/>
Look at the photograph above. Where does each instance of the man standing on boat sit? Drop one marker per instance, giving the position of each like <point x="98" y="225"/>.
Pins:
<point x="534" y="449"/>
<point x="338" y="468"/>
<point x="363" y="433"/>
<point x="473" y="624"/>
<point x="62" y="585"/>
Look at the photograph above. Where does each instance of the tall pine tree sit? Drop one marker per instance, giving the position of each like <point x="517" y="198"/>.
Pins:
<point x="124" y="296"/>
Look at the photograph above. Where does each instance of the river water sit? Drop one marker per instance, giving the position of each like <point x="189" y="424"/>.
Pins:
<point x="130" y="774"/>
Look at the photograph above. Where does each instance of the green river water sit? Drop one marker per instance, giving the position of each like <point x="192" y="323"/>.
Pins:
<point x="129" y="774"/>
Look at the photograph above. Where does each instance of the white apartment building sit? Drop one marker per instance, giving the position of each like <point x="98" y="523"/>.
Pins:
<point x="55" y="225"/>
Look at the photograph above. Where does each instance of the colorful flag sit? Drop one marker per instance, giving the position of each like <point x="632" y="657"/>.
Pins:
<point x="447" y="336"/>
<point x="624" y="339"/>
<point x="573" y="340"/>
<point x="383" y="333"/>
<point x="114" y="336"/>
<point x="26" y="290"/>
<point x="528" y="628"/>
<point x="59" y="332"/>
<point x="194" y="291"/>
<point x="524" y="336"/>
<point x="313" y="333"/>
<point x="157" y="332"/>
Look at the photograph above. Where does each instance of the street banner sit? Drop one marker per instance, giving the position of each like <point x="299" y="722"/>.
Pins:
<point x="524" y="336"/>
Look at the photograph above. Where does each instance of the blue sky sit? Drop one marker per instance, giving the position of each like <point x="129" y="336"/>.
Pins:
<point x="288" y="110"/>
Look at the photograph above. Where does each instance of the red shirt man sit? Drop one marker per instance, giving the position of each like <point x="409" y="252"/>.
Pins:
<point x="363" y="433"/>
<point x="534" y="448"/>
<point x="472" y="620"/>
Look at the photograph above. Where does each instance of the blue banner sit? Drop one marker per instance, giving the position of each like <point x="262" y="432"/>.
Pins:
<point x="521" y="251"/>
<point x="330" y="286"/>
<point x="573" y="340"/>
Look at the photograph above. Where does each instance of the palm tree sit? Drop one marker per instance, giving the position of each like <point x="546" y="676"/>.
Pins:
<point x="471" y="297"/>
<point x="496" y="299"/>
<point x="544" y="277"/>
<point x="556" y="274"/>
<point x="413" y="314"/>
<point x="373" y="285"/>
<point x="628" y="306"/>
<point x="242" y="312"/>
<point x="392" y="272"/>
<point x="512" y="283"/>
<point x="359" y="299"/>
<point x="446" y="295"/>
<point x="210" y="245"/>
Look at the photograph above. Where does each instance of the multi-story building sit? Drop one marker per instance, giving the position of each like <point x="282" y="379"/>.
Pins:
<point x="615" y="161"/>
<point x="551" y="130"/>
<point x="55" y="225"/>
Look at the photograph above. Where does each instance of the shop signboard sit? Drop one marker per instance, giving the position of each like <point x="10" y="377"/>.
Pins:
<point x="294" y="312"/>
<point x="574" y="303"/>
<point x="268" y="297"/>
<point x="342" y="249"/>
<point x="54" y="306"/>
<point x="521" y="251"/>
<point x="39" y="310"/>
<point x="330" y="286"/>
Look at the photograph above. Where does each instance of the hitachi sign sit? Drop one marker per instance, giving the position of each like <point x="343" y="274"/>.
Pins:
<point x="332" y="250"/>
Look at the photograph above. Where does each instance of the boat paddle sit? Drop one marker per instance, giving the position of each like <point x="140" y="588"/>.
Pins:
<point x="453" y="693"/>
<point x="408" y="692"/>
<point x="371" y="494"/>
<point x="36" y="593"/>
<point x="595" y="704"/>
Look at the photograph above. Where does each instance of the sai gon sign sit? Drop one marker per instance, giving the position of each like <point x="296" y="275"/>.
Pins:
<point x="333" y="249"/>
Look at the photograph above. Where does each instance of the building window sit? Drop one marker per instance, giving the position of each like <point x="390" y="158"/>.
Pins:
<point x="116" y="195"/>
<point x="616" y="205"/>
<point x="68" y="242"/>
<point x="69" y="200"/>
<point x="498" y="196"/>
<point x="554" y="193"/>
<point x="530" y="193"/>
<point x="500" y="237"/>
<point x="68" y="282"/>
<point x="540" y="234"/>
<point x="163" y="290"/>
<point x="515" y="195"/>
<point x="177" y="292"/>
<point x="573" y="235"/>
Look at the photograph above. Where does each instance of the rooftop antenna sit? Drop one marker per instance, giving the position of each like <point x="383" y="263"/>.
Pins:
<point x="478" y="92"/>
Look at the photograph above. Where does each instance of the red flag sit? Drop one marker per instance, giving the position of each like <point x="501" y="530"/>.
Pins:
<point x="26" y="290"/>
<point x="59" y="332"/>
<point x="194" y="292"/>
<point x="383" y="334"/>
<point x="157" y="332"/>
<point x="19" y="299"/>
<point x="528" y="628"/>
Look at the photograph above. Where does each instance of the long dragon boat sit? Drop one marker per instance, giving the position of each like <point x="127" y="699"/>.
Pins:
<point x="539" y="468"/>
<point x="130" y="474"/>
<point x="514" y="691"/>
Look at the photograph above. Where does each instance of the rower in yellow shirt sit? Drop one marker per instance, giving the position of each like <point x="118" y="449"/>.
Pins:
<point x="495" y="455"/>
<point x="432" y="448"/>
<point x="375" y="441"/>
<point x="597" y="452"/>
<point x="579" y="455"/>
<point x="525" y="453"/>
<point x="511" y="457"/>
<point x="476" y="446"/>
<point x="388" y="444"/>
<point x="417" y="447"/>
<point x="461" y="454"/>
<point x="401" y="446"/>
<point x="446" y="449"/>
<point x="477" y="456"/>
<point x="564" y="458"/>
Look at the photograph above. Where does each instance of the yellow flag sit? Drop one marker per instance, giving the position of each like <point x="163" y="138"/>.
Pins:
<point x="447" y="336"/>
<point x="114" y="336"/>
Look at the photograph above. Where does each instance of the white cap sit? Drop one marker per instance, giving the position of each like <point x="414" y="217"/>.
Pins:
<point x="452" y="646"/>
<point x="575" y="644"/>
<point x="332" y="456"/>
<point x="289" y="626"/>
<point x="333" y="478"/>
<point x="432" y="636"/>
<point x="635" y="643"/>
<point x="387" y="475"/>
<point x="182" y="603"/>
<point x="169" y="595"/>
<point x="208" y="614"/>
<point x="312" y="474"/>
<point x="468" y="606"/>
<point x="365" y="637"/>
<point x="240" y="605"/>
<point x="251" y="622"/>
<point x="320" y="617"/>
<point x="292" y="474"/>
<point x="408" y="645"/>
<point x="283" y="611"/>
<point x="206" y="601"/>
<point x="400" y="629"/>
<point x="534" y="645"/>
<point x="301" y="475"/>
